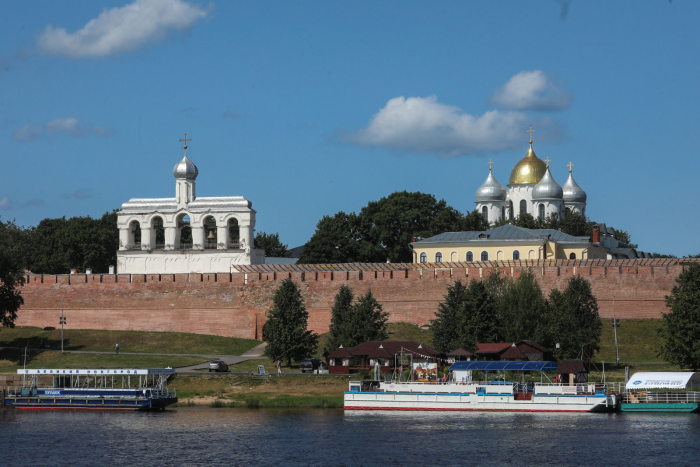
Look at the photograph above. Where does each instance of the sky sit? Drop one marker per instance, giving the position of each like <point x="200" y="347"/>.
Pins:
<point x="307" y="108"/>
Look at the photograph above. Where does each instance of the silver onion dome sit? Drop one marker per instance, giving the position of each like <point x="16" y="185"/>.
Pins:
<point x="491" y="190"/>
<point x="572" y="192"/>
<point x="185" y="169"/>
<point x="547" y="188"/>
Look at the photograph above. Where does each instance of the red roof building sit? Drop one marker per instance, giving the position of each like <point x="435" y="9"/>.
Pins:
<point x="368" y="354"/>
<point x="521" y="350"/>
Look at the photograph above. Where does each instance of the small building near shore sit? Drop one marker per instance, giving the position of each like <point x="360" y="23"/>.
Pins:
<point x="382" y="353"/>
<point x="521" y="350"/>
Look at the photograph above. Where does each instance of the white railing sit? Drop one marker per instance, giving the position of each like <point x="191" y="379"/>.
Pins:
<point x="653" y="397"/>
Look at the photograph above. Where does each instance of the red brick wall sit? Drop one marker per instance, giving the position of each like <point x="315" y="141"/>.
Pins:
<point x="235" y="305"/>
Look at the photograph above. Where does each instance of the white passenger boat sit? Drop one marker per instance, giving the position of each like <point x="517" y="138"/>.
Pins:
<point x="462" y="394"/>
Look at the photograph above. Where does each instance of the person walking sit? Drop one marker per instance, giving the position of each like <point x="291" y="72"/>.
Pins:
<point x="279" y="367"/>
<point x="116" y="349"/>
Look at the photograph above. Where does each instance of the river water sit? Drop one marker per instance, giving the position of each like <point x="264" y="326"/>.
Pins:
<point x="191" y="436"/>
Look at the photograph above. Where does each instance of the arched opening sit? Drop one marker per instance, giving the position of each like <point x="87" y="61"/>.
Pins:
<point x="158" y="231"/>
<point x="532" y="254"/>
<point x="183" y="239"/>
<point x="503" y="212"/>
<point x="134" y="236"/>
<point x="470" y="256"/>
<point x="484" y="256"/>
<point x="541" y="213"/>
<point x="454" y="257"/>
<point x="210" y="233"/>
<point x="485" y="213"/>
<point x="510" y="210"/>
<point x="523" y="207"/>
<point x="516" y="254"/>
<point x="572" y="256"/>
<point x="499" y="255"/>
<point x="234" y="233"/>
<point x="438" y="257"/>
<point x="423" y="257"/>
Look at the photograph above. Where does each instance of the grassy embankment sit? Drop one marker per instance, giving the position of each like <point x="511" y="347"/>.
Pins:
<point x="104" y="341"/>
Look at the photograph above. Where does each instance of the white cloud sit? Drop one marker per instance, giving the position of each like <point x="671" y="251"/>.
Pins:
<point x="532" y="90"/>
<point x="424" y="125"/>
<point x="67" y="125"/>
<point x="5" y="202"/>
<point x="121" y="29"/>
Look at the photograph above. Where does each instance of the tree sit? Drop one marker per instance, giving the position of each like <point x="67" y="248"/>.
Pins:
<point x="526" y="221"/>
<point x="479" y="318"/>
<point x="573" y="320"/>
<point x="272" y="245"/>
<point x="522" y="308"/>
<point x="286" y="332"/>
<point x="367" y="321"/>
<point x="446" y="325"/>
<point x="336" y="240"/>
<point x="681" y="326"/>
<point x="341" y="315"/>
<point x="575" y="224"/>
<point x="625" y="238"/>
<point x="11" y="278"/>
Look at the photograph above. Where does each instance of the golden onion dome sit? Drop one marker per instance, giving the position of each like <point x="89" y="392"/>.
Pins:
<point x="530" y="169"/>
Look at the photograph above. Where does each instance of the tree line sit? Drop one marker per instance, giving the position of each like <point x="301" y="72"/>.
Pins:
<point x="501" y="309"/>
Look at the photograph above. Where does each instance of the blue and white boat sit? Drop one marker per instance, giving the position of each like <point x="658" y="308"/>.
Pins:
<point x="461" y="393"/>
<point x="94" y="389"/>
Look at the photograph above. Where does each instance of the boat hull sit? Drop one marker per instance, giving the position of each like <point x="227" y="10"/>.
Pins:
<point x="473" y="402"/>
<point x="661" y="407"/>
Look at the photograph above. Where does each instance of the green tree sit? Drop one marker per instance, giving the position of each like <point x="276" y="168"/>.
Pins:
<point x="336" y="240"/>
<point x="272" y="245"/>
<point x="573" y="320"/>
<point x="526" y="221"/>
<point x="625" y="238"/>
<point x="478" y="321"/>
<point x="681" y="326"/>
<point x="11" y="279"/>
<point x="286" y="332"/>
<point x="367" y="322"/>
<point x="575" y="224"/>
<point x="522" y="308"/>
<point x="446" y="325"/>
<point x="341" y="314"/>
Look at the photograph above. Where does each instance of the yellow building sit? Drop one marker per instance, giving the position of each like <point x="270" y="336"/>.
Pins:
<point x="507" y="242"/>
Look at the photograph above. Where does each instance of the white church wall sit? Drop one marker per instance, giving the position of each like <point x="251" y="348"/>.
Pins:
<point x="517" y="193"/>
<point x="186" y="261"/>
<point x="493" y="210"/>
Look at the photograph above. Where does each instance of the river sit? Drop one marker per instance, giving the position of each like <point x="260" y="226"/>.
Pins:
<point x="191" y="436"/>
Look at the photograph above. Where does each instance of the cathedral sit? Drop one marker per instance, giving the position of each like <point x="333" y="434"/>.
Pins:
<point x="531" y="190"/>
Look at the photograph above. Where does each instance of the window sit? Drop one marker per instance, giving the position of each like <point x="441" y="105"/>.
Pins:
<point x="503" y="212"/>
<point x="510" y="210"/>
<point x="516" y="254"/>
<point x="470" y="256"/>
<point x="438" y="257"/>
<point x="541" y="211"/>
<point x="484" y="256"/>
<point x="485" y="213"/>
<point x="523" y="207"/>
<point x="423" y="257"/>
<point x="572" y="256"/>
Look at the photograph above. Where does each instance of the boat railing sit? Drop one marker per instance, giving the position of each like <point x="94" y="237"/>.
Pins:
<point x="660" y="397"/>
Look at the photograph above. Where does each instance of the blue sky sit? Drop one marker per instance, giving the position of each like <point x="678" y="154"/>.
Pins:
<point x="309" y="108"/>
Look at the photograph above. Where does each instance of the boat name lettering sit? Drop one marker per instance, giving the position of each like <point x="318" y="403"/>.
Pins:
<point x="54" y="393"/>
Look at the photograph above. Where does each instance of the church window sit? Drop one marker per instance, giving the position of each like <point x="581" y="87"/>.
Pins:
<point x="523" y="207"/>
<point x="516" y="254"/>
<point x="503" y="212"/>
<point x="572" y="256"/>
<point x="484" y="256"/>
<point x="423" y="257"/>
<point x="485" y="213"/>
<point x="510" y="210"/>
<point x="470" y="256"/>
<point x="438" y="257"/>
<point x="541" y="208"/>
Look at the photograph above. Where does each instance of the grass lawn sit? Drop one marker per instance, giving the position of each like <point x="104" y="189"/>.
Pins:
<point x="239" y="391"/>
<point x="637" y="339"/>
<point x="129" y="341"/>
<point x="11" y="360"/>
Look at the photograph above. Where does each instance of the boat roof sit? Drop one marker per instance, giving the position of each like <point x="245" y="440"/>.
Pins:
<point x="100" y="371"/>
<point x="664" y="380"/>
<point x="522" y="365"/>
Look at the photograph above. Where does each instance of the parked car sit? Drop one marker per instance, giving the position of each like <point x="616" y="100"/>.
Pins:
<point x="218" y="365"/>
<point x="309" y="364"/>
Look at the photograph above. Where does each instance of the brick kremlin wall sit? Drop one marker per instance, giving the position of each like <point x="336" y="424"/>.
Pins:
<point x="235" y="304"/>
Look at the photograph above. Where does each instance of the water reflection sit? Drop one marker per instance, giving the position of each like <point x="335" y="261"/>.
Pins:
<point x="189" y="436"/>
